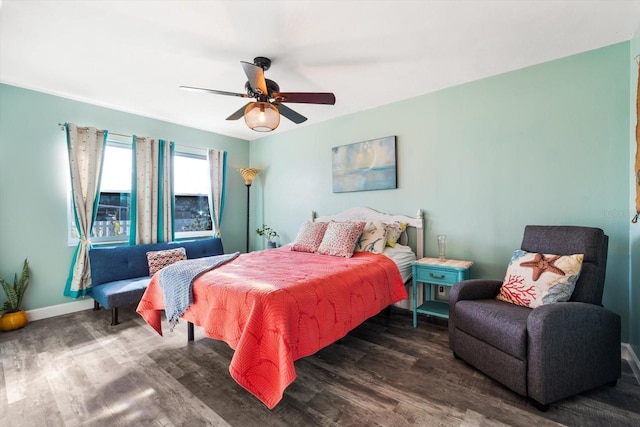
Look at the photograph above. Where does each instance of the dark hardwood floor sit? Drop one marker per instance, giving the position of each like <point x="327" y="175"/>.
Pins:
<point x="76" y="370"/>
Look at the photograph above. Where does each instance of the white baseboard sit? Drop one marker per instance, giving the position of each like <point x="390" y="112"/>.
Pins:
<point x="60" y="309"/>
<point x="630" y="356"/>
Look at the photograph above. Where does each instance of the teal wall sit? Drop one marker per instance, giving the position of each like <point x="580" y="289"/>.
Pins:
<point x="548" y="144"/>
<point x="34" y="177"/>
<point x="634" y="283"/>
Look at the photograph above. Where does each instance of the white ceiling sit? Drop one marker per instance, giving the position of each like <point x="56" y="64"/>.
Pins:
<point x="133" y="55"/>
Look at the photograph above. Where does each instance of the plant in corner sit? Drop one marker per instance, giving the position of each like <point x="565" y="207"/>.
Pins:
<point x="268" y="233"/>
<point x="13" y="316"/>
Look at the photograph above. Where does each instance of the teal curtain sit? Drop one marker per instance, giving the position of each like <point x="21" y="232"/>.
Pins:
<point x="85" y="146"/>
<point x="152" y="197"/>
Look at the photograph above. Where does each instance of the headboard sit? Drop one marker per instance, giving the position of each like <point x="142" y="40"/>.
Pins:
<point x="368" y="214"/>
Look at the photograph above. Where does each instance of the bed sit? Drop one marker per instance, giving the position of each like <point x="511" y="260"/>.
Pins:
<point x="279" y="305"/>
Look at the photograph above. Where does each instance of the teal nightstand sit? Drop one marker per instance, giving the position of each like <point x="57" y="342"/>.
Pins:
<point x="433" y="271"/>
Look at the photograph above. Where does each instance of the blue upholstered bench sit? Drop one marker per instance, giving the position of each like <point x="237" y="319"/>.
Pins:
<point x="120" y="274"/>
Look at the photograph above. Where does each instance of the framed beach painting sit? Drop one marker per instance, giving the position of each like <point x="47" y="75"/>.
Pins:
<point x="364" y="166"/>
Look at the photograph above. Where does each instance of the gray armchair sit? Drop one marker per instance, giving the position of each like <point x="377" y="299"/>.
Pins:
<point x="552" y="351"/>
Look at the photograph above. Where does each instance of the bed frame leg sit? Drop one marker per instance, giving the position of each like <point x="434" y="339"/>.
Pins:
<point x="96" y="305"/>
<point x="189" y="331"/>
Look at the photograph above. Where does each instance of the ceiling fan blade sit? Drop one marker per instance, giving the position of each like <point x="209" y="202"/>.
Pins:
<point x="238" y="114"/>
<point x="295" y="117"/>
<point x="217" y="92"/>
<point x="306" y="97"/>
<point x="255" y="75"/>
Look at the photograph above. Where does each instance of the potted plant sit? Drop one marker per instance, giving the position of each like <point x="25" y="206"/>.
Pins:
<point x="268" y="233"/>
<point x="13" y="316"/>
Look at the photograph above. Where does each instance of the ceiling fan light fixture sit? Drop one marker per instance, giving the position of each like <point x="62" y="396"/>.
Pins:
<point x="261" y="116"/>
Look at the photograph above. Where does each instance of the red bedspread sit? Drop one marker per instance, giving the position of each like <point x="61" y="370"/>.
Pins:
<point x="276" y="306"/>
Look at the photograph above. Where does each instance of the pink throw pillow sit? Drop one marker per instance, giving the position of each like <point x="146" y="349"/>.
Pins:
<point x="340" y="238"/>
<point x="309" y="237"/>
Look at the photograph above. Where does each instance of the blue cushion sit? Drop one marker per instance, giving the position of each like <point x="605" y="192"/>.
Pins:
<point x="120" y="292"/>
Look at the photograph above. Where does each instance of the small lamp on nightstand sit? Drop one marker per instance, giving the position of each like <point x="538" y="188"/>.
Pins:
<point x="248" y="174"/>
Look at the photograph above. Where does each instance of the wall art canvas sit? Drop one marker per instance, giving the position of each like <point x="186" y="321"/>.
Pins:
<point x="364" y="166"/>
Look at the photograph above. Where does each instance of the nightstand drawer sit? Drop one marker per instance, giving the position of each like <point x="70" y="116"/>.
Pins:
<point x="437" y="276"/>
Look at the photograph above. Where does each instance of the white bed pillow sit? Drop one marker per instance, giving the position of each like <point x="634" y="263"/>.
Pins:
<point x="340" y="238"/>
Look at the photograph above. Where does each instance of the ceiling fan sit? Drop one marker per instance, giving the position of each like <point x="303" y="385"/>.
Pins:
<point x="263" y="114"/>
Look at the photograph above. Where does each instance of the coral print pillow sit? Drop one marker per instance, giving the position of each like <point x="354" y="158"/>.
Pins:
<point x="535" y="279"/>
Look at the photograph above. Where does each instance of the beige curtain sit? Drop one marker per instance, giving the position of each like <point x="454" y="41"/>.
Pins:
<point x="217" y="169"/>
<point x="86" y="148"/>
<point x="152" y="199"/>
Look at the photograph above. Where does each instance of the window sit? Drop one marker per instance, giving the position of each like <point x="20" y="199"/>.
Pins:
<point x="191" y="215"/>
<point x="113" y="217"/>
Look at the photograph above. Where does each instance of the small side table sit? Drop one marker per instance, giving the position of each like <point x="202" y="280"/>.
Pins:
<point x="433" y="271"/>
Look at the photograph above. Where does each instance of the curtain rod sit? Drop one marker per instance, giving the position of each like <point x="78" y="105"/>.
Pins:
<point x="87" y="127"/>
<point x="129" y="136"/>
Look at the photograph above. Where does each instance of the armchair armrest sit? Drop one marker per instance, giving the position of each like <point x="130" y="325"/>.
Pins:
<point x="474" y="289"/>
<point x="573" y="347"/>
<point x="469" y="290"/>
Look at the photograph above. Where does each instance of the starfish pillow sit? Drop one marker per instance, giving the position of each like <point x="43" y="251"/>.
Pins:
<point x="534" y="279"/>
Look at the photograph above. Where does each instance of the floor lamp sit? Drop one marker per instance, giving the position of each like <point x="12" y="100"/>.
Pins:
<point x="248" y="174"/>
